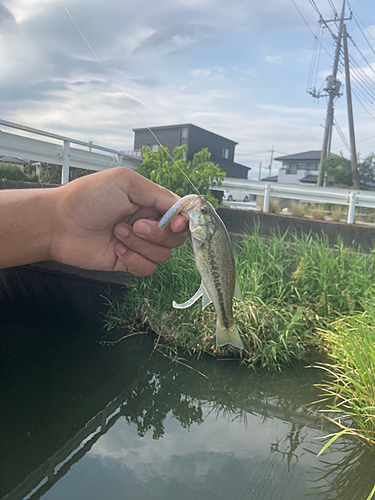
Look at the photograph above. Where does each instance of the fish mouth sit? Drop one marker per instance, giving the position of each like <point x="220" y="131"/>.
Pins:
<point x="194" y="204"/>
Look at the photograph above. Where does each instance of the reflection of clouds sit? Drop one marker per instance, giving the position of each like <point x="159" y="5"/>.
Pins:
<point x="189" y="455"/>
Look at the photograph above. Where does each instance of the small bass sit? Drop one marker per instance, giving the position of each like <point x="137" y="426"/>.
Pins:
<point x="214" y="259"/>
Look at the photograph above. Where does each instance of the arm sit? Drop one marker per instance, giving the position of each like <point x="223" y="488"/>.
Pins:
<point x="105" y="221"/>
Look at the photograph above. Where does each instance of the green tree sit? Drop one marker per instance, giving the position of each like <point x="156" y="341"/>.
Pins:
<point x="51" y="174"/>
<point x="202" y="172"/>
<point x="14" y="173"/>
<point x="338" y="171"/>
<point x="366" y="171"/>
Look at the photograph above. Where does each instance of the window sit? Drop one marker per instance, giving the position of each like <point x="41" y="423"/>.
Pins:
<point x="155" y="147"/>
<point x="225" y="153"/>
<point x="313" y="166"/>
<point x="184" y="133"/>
<point x="301" y="166"/>
<point x="292" y="169"/>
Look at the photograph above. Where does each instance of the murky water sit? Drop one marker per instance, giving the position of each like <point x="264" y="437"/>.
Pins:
<point x="83" y="421"/>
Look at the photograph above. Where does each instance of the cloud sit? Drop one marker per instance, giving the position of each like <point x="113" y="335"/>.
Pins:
<point x="7" y="20"/>
<point x="148" y="82"/>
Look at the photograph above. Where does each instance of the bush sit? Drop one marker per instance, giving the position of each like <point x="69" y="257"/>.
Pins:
<point x="14" y="173"/>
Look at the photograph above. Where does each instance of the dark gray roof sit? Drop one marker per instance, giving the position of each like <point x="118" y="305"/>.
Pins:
<point x="223" y="161"/>
<point x="311" y="178"/>
<point x="12" y="159"/>
<point x="307" y="155"/>
<point x="273" y="178"/>
<point x="145" y="129"/>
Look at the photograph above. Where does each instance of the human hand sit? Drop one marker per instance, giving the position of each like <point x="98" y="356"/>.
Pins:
<point x="109" y="221"/>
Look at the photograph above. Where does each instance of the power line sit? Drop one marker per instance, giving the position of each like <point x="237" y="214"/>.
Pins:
<point x="341" y="135"/>
<point x="363" y="106"/>
<point x="355" y="45"/>
<point x="355" y="16"/>
<point x="307" y="24"/>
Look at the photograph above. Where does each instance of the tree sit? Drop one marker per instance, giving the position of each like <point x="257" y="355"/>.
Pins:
<point x="338" y="171"/>
<point x="158" y="167"/>
<point x="14" y="173"/>
<point x="366" y="171"/>
<point x="51" y="174"/>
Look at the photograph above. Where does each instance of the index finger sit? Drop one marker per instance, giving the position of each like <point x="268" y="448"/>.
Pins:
<point x="144" y="192"/>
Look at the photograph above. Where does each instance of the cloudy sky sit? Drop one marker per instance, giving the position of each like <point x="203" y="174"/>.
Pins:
<point x="238" y="68"/>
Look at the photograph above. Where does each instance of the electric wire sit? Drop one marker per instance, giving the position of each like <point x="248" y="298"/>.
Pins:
<point x="356" y="19"/>
<point x="341" y="134"/>
<point x="359" y="50"/>
<point x="128" y="100"/>
<point x="307" y="24"/>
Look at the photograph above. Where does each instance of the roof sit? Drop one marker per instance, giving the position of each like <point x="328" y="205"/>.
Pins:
<point x="12" y="159"/>
<point x="311" y="178"/>
<point x="219" y="159"/>
<point x="164" y="127"/>
<point x="307" y="155"/>
<point x="273" y="178"/>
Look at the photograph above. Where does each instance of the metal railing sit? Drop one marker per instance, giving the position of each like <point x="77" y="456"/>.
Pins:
<point x="62" y="153"/>
<point x="346" y="197"/>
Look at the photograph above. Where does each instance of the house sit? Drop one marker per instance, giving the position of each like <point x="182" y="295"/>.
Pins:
<point x="195" y="138"/>
<point x="12" y="160"/>
<point x="299" y="168"/>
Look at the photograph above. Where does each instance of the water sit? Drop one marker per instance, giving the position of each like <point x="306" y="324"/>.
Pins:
<point x="84" y="421"/>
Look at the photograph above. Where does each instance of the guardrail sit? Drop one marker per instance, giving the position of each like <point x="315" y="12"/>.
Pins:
<point x="336" y="196"/>
<point x="61" y="153"/>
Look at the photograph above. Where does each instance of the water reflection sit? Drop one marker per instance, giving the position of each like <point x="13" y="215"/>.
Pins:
<point x="121" y="424"/>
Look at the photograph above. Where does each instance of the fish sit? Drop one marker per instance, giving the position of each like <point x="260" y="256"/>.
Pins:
<point x="213" y="254"/>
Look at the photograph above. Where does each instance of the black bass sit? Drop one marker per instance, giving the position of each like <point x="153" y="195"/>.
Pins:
<point x="214" y="259"/>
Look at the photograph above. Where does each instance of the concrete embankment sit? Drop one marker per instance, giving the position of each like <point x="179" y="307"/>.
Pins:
<point x="241" y="221"/>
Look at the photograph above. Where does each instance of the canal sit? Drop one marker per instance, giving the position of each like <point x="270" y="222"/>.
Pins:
<point x="81" y="420"/>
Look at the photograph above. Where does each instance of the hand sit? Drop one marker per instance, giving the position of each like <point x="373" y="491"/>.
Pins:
<point x="108" y="221"/>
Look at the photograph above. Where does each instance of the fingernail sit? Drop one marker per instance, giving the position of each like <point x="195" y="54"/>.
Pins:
<point x="142" y="228"/>
<point x="120" y="249"/>
<point x="122" y="230"/>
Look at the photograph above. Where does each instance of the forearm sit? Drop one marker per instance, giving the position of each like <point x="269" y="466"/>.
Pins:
<point x="26" y="225"/>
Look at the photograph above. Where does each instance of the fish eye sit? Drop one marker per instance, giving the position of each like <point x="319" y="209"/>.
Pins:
<point x="203" y="210"/>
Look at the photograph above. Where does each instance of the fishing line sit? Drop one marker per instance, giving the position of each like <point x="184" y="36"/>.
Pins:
<point x="128" y="100"/>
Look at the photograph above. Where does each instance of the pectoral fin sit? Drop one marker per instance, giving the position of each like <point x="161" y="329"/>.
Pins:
<point x="237" y="291"/>
<point x="192" y="300"/>
<point x="206" y="299"/>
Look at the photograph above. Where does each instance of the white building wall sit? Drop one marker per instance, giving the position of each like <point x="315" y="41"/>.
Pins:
<point x="285" y="178"/>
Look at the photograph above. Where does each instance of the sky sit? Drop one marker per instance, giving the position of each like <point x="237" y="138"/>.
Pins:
<point x="238" y="68"/>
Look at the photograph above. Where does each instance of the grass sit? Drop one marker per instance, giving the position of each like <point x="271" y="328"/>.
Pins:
<point x="292" y="289"/>
<point x="352" y="350"/>
<point x="274" y="206"/>
<point x="317" y="212"/>
<point x="297" y="208"/>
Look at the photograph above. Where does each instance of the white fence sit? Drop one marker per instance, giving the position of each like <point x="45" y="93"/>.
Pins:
<point x="304" y="194"/>
<point x="61" y="153"/>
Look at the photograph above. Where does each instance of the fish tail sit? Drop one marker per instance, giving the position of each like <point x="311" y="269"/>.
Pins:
<point x="228" y="336"/>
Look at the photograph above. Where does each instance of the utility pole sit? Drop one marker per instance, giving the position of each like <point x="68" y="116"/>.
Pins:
<point x="333" y="89"/>
<point x="260" y="171"/>
<point x="353" y="151"/>
<point x="271" y="160"/>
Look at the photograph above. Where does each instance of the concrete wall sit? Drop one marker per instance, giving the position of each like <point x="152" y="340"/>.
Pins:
<point x="240" y="221"/>
<point x="4" y="184"/>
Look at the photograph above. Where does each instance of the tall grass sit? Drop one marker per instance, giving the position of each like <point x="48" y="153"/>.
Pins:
<point x="352" y="350"/>
<point x="291" y="290"/>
